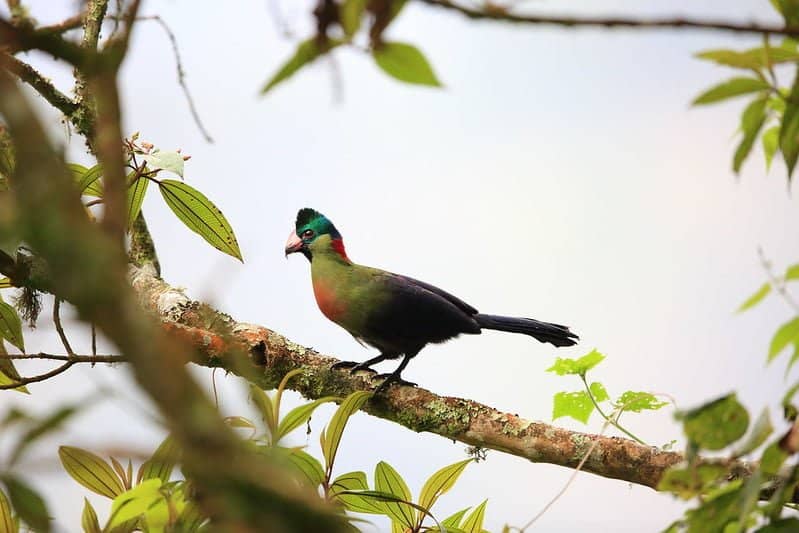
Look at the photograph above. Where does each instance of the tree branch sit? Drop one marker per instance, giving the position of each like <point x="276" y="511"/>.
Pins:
<point x="40" y="84"/>
<point x="499" y="13"/>
<point x="271" y="355"/>
<point x="76" y="358"/>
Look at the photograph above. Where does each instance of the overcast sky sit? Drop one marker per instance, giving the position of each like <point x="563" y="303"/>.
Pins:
<point x="561" y="174"/>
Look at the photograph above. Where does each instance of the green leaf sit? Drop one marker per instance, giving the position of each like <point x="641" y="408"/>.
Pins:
<point x="350" y="14"/>
<point x="439" y="483"/>
<point x="307" y="52"/>
<point x="89" y="519"/>
<point x="772" y="459"/>
<point x="11" y="326"/>
<point x="474" y="522"/>
<point x="240" y="422"/>
<point x="136" y="501"/>
<point x="335" y="428"/>
<point x="756" y="298"/>
<point x="752" y="121"/>
<point x="792" y="272"/>
<point x="8" y="372"/>
<point x="688" y="482"/>
<point x="5" y="283"/>
<point x="298" y="416"/>
<point x="308" y="465"/>
<point x="388" y="480"/>
<point x="48" y="424"/>
<point x="405" y="63"/>
<point x="86" y="179"/>
<point x="564" y="366"/>
<point x="784" y="525"/>
<point x="599" y="392"/>
<point x="637" y="401"/>
<point x="787" y="334"/>
<point x="135" y="197"/>
<point x="265" y="407"/>
<point x="90" y="471"/>
<point x="200" y="215"/>
<point x="28" y="504"/>
<point x="760" y="432"/>
<point x="789" y="130"/>
<point x="454" y="519"/>
<point x="754" y="58"/>
<point x="770" y="140"/>
<point x="7" y="522"/>
<point x="354" y="481"/>
<point x="171" y="161"/>
<point x="577" y="405"/>
<point x="714" y="514"/>
<point x="717" y="424"/>
<point x="161" y="463"/>
<point x="729" y="89"/>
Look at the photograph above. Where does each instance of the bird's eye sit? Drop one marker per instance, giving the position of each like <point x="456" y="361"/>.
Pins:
<point x="307" y="234"/>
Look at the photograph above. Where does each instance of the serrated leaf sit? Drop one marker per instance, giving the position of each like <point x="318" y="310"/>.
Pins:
<point x="787" y="334"/>
<point x="135" y="502"/>
<point x="7" y="522"/>
<point x="637" y="401"/>
<point x="389" y="481"/>
<point x="354" y="481"/>
<point x="789" y="130"/>
<point x="406" y="63"/>
<point x="307" y="52"/>
<point x="159" y="160"/>
<point x="162" y="462"/>
<point x="752" y="121"/>
<point x="577" y="405"/>
<point x="308" y="465"/>
<point x="687" y="482"/>
<point x="565" y="366"/>
<point x="11" y="326"/>
<point x="350" y="13"/>
<point x="89" y="519"/>
<point x="771" y="141"/>
<point x="335" y="428"/>
<point x="717" y="424"/>
<point x="200" y="215"/>
<point x="134" y="199"/>
<point x="90" y="471"/>
<point x="439" y="483"/>
<point x="792" y="272"/>
<point x="599" y="392"/>
<point x="265" y="407"/>
<point x="729" y="89"/>
<point x="474" y="522"/>
<point x="755" y="298"/>
<point x="299" y="416"/>
<point x="28" y="504"/>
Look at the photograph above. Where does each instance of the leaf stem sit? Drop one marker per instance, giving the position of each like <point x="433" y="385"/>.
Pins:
<point x="610" y="420"/>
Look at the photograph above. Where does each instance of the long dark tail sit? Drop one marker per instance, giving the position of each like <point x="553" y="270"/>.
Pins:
<point x="543" y="331"/>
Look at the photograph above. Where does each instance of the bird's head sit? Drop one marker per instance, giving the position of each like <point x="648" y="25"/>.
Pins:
<point x="314" y="233"/>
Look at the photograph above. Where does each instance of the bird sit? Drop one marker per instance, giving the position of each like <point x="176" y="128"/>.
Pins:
<point x="396" y="314"/>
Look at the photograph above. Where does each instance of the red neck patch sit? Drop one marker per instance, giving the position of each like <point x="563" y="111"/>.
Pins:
<point x="338" y="247"/>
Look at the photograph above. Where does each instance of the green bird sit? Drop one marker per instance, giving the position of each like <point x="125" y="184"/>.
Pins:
<point x="396" y="314"/>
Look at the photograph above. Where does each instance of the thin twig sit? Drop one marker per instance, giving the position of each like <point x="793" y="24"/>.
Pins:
<point x="677" y="23"/>
<point x="41" y="377"/>
<point x="59" y="328"/>
<point x="776" y="282"/>
<point x="71" y="23"/>
<point x="41" y="356"/>
<point x="606" y="417"/>
<point x="94" y="340"/>
<point x="181" y="75"/>
<point x="40" y="84"/>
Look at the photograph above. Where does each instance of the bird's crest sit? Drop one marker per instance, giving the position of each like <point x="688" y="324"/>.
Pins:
<point x="306" y="215"/>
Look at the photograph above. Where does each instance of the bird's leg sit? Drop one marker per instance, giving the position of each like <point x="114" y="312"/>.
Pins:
<point x="395" y="377"/>
<point x="354" y="367"/>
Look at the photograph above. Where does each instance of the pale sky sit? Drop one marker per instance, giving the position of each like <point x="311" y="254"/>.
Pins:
<point x="561" y="174"/>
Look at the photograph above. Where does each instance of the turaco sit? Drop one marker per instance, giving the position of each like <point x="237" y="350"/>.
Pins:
<point x="396" y="314"/>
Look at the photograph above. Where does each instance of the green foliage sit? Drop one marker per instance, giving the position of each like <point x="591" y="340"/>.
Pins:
<point x="752" y="120"/>
<point x="577" y="405"/>
<point x="8" y="522"/>
<point x="135" y="196"/>
<point x="200" y="215"/>
<point x="717" y="424"/>
<point x="757" y="297"/>
<point x="406" y="63"/>
<point x="439" y="483"/>
<point x="731" y="88"/>
<point x="335" y="429"/>
<point x="307" y="52"/>
<point x="11" y="326"/>
<point x="565" y="366"/>
<point x="90" y="471"/>
<point x="86" y="179"/>
<point x="89" y="520"/>
<point x="388" y="481"/>
<point x="637" y="401"/>
<point x="161" y="463"/>
<point x="160" y="160"/>
<point x="350" y="13"/>
<point x="789" y="130"/>
<point x="474" y="521"/>
<point x="27" y="503"/>
<point x="787" y="334"/>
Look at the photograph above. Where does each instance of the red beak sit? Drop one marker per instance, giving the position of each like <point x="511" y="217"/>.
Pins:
<point x="293" y="244"/>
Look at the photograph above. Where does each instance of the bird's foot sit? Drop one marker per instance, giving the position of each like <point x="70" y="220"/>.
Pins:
<point x="390" y="379"/>
<point x="353" y="366"/>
